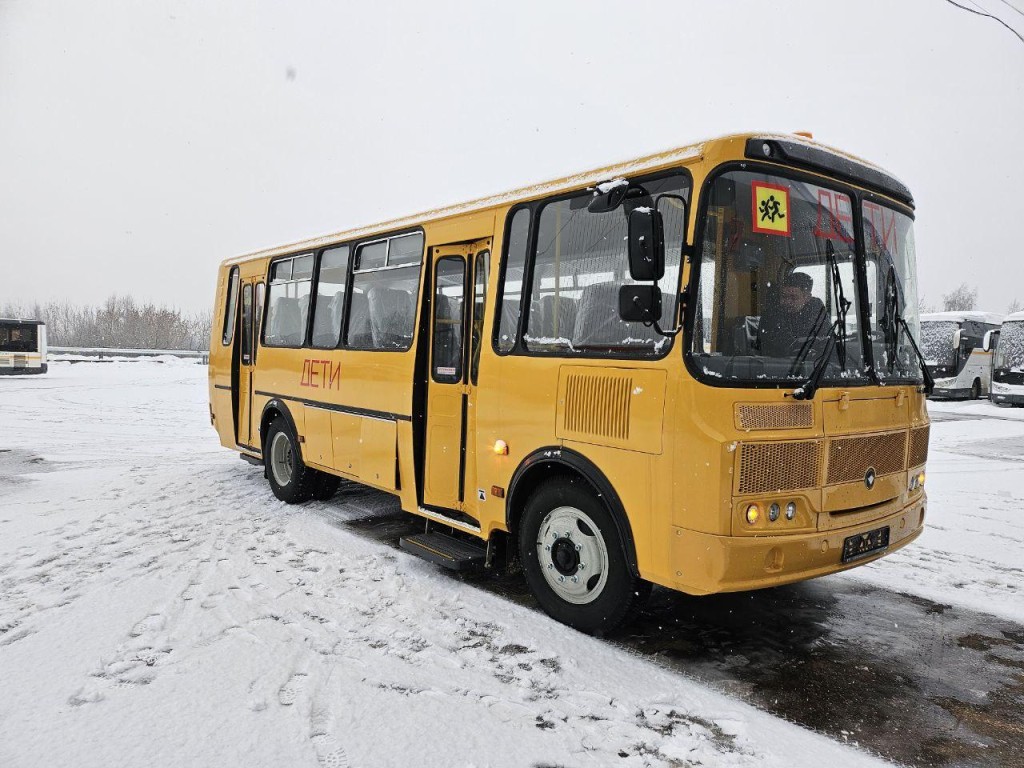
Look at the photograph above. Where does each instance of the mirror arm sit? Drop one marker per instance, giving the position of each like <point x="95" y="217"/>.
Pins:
<point x="654" y="323"/>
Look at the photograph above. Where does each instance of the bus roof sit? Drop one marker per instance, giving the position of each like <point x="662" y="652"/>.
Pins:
<point x="1015" y="317"/>
<point x="681" y="155"/>
<point x="992" y="318"/>
<point x="20" y="321"/>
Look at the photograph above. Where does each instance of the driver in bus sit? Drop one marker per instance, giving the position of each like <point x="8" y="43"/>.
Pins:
<point x="800" y="315"/>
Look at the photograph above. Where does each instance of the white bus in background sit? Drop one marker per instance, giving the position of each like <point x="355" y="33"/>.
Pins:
<point x="22" y="346"/>
<point x="1008" y="362"/>
<point x="953" y="348"/>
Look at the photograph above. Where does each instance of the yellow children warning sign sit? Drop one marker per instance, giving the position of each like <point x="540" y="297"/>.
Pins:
<point x="771" y="208"/>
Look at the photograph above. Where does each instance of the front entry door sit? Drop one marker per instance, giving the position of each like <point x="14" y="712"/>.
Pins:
<point x="449" y="388"/>
<point x="249" y="311"/>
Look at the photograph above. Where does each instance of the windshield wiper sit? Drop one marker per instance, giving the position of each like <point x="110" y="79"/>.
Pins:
<point x="835" y="339"/>
<point x="896" y="325"/>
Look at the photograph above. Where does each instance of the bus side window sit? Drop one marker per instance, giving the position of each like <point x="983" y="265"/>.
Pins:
<point x="229" y="312"/>
<point x="510" y="289"/>
<point x="448" y="326"/>
<point x="331" y="281"/>
<point x="260" y="294"/>
<point x="288" y="302"/>
<point x="385" y="285"/>
<point x="247" y="324"/>
<point x="481" y="271"/>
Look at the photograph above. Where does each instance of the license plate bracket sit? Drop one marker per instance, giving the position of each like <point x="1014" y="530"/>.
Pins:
<point x="864" y="544"/>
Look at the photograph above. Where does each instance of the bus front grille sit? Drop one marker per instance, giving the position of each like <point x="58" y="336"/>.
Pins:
<point x="753" y="416"/>
<point x="850" y="458"/>
<point x="774" y="467"/>
<point x="918" y="447"/>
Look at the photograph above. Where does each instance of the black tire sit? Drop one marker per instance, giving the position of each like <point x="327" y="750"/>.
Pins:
<point x="976" y="390"/>
<point x="598" y="604"/>
<point x="293" y="482"/>
<point x="325" y="485"/>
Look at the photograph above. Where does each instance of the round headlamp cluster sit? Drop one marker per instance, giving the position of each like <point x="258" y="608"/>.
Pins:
<point x="775" y="510"/>
<point x="916" y="482"/>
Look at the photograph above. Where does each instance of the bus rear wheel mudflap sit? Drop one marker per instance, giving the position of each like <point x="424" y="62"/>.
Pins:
<point x="290" y="479"/>
<point x="574" y="559"/>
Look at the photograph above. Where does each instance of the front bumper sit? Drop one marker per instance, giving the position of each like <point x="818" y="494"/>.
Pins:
<point x="1002" y="399"/>
<point x="22" y="371"/>
<point x="706" y="563"/>
<point x="950" y="394"/>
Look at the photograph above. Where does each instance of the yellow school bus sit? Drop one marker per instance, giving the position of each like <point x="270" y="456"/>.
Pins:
<point x="697" y="369"/>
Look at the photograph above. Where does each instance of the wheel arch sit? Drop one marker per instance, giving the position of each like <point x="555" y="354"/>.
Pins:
<point x="271" y="411"/>
<point x="554" y="461"/>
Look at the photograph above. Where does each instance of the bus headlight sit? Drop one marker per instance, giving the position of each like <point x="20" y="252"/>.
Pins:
<point x="773" y="512"/>
<point x="753" y="513"/>
<point x="791" y="510"/>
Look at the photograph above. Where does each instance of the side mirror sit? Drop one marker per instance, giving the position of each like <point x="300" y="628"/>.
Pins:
<point x="640" y="303"/>
<point x="646" y="245"/>
<point x="986" y="342"/>
<point x="958" y="337"/>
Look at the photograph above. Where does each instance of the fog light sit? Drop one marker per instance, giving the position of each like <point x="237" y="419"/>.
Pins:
<point x="791" y="510"/>
<point x="753" y="513"/>
<point x="773" y="512"/>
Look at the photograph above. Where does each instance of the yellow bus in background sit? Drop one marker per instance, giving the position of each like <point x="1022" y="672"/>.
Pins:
<point x="697" y="369"/>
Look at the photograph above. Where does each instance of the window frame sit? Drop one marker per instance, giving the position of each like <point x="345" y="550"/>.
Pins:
<point x="231" y="307"/>
<point x="536" y="208"/>
<point x="270" y="283"/>
<point x="688" y="293"/>
<point x="353" y="271"/>
<point x="315" y="294"/>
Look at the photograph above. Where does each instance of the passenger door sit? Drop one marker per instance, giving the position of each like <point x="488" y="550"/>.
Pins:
<point x="250" y="310"/>
<point x="451" y="360"/>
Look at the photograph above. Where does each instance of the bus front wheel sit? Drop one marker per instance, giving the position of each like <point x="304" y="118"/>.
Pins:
<point x="574" y="559"/>
<point x="976" y="389"/>
<point x="290" y="479"/>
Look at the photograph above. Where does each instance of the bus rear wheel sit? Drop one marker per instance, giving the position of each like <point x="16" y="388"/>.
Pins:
<point x="574" y="559"/>
<point x="290" y="479"/>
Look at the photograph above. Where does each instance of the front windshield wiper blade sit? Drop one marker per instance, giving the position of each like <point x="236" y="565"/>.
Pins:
<point x="900" y="326"/>
<point x="835" y="339"/>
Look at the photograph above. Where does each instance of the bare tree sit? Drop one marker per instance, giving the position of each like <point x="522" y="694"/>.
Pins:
<point x="1015" y="306"/>
<point x="120" y="322"/>
<point x="960" y="299"/>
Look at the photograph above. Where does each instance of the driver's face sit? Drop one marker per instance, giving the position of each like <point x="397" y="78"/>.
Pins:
<point x="793" y="298"/>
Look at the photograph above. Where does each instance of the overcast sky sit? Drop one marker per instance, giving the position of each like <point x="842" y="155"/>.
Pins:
<point x="143" y="142"/>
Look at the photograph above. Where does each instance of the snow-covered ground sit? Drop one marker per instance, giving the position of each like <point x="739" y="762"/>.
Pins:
<point x="159" y="607"/>
<point x="971" y="553"/>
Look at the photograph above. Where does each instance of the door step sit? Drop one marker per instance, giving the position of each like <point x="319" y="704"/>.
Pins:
<point x="452" y="553"/>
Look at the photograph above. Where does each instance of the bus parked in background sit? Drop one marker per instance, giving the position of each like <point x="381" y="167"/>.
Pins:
<point x="22" y="346"/>
<point x="1008" y="362"/>
<point x="953" y="347"/>
<point x="697" y="369"/>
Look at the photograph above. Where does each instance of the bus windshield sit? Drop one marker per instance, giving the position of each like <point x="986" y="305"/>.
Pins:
<point x="19" y="337"/>
<point x="891" y="266"/>
<point x="937" y="342"/>
<point x="1009" y="352"/>
<point x="778" y="296"/>
<point x="777" y="290"/>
